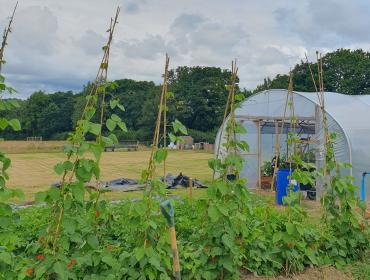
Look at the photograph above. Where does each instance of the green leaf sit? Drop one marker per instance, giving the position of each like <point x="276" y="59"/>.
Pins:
<point x="170" y="94"/>
<point x="69" y="225"/>
<point x="290" y="228"/>
<point x="139" y="253"/>
<point x="58" y="168"/>
<point x="276" y="237"/>
<point x="93" y="241"/>
<point x="2" y="182"/>
<point x="94" y="128"/>
<point x="96" y="150"/>
<point x="213" y="213"/>
<point x="243" y="145"/>
<point x="173" y="138"/>
<point x="121" y="107"/>
<point x="111" y="125"/>
<point x="178" y="126"/>
<point x="113" y="137"/>
<point x="122" y="126"/>
<point x="15" y="124"/>
<point x="3" y="123"/>
<point x="6" y="257"/>
<point x="115" y="118"/>
<point x="78" y="192"/>
<point x="109" y="260"/>
<point x="155" y="261"/>
<point x="54" y="193"/>
<point x="227" y="240"/>
<point x="67" y="165"/>
<point x="107" y="141"/>
<point x="60" y="269"/>
<point x="113" y="103"/>
<point x="228" y="264"/>
<point x="239" y="97"/>
<point x="90" y="112"/>
<point x="160" y="155"/>
<point x="6" y="163"/>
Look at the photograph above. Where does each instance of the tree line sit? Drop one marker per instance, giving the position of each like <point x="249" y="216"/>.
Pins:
<point x="197" y="99"/>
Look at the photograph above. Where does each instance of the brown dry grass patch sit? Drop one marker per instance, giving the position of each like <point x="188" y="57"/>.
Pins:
<point x="19" y="147"/>
<point x="33" y="172"/>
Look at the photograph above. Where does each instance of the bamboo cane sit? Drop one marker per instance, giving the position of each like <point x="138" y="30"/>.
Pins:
<point x="5" y="36"/>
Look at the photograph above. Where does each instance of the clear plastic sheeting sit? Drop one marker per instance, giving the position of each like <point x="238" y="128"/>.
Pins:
<point x="348" y="116"/>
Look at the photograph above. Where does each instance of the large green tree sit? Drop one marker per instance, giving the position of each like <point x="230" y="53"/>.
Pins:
<point x="345" y="71"/>
<point x="199" y="96"/>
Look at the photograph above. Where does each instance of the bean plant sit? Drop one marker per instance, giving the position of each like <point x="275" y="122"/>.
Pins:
<point x="152" y="252"/>
<point x="75" y="224"/>
<point x="8" y="239"/>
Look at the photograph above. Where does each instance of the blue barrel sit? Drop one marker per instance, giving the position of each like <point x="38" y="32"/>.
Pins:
<point x="282" y="183"/>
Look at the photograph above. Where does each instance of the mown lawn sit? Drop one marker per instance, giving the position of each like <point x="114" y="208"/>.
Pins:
<point x="33" y="172"/>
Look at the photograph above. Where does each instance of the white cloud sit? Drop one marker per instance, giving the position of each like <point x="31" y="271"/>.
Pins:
<point x="56" y="45"/>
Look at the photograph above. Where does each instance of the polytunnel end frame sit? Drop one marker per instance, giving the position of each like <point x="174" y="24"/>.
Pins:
<point x="250" y="118"/>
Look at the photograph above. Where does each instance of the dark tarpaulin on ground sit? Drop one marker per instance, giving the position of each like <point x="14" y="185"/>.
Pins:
<point x="128" y="185"/>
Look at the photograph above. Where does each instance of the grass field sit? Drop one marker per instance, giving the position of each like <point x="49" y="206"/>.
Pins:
<point x="33" y="172"/>
<point x="21" y="147"/>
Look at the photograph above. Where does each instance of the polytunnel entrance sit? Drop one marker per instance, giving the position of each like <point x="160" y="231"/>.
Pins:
<point x="262" y="137"/>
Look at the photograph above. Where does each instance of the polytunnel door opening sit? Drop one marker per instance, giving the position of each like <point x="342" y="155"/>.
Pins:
<point x="263" y="136"/>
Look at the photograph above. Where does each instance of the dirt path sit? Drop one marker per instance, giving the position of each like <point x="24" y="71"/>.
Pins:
<point x="324" y="273"/>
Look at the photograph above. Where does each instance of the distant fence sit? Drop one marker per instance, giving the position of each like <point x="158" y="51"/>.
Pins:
<point x="129" y="145"/>
<point x="35" y="138"/>
<point x="204" y="146"/>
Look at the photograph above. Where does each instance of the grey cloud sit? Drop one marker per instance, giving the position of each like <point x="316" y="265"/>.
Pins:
<point x="147" y="48"/>
<point x="186" y="22"/>
<point x="34" y="30"/>
<point x="330" y="23"/>
<point x="271" y="56"/>
<point x="343" y="18"/>
<point x="220" y="38"/>
<point x="203" y="39"/>
<point x="197" y="38"/>
<point x="133" y="6"/>
<point x="91" y="42"/>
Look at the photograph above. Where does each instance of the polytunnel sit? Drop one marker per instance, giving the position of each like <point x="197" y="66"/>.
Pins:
<point x="262" y="115"/>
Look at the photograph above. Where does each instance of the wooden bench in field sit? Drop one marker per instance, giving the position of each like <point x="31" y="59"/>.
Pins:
<point x="129" y="145"/>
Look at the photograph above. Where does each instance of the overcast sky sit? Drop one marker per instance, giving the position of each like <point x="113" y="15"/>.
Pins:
<point x="56" y="45"/>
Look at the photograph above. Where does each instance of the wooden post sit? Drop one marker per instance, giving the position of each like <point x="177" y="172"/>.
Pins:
<point x="190" y="189"/>
<point x="169" y="215"/>
<point x="175" y="253"/>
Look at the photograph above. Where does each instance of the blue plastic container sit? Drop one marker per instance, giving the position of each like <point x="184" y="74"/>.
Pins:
<point x="282" y="183"/>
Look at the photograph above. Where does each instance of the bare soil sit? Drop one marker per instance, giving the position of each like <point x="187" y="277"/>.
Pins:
<point x="324" y="273"/>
